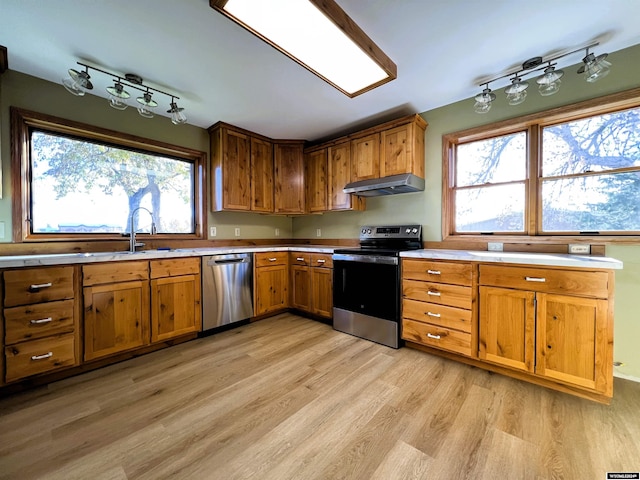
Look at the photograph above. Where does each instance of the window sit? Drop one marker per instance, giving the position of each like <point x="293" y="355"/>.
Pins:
<point x="83" y="182"/>
<point x="571" y="171"/>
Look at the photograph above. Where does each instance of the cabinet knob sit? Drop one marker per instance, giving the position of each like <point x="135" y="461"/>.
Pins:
<point x="535" y="279"/>
<point x="436" y="337"/>
<point x="41" y="321"/>
<point x="433" y="272"/>
<point x="272" y="259"/>
<point x="40" y="286"/>
<point x="431" y="314"/>
<point x="298" y="259"/>
<point x="44" y="356"/>
<point x="433" y="293"/>
<point x="321" y="261"/>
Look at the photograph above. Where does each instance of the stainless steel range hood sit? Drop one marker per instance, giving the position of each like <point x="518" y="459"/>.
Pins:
<point x="391" y="185"/>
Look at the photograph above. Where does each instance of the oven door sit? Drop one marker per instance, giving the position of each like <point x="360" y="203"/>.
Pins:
<point x="368" y="285"/>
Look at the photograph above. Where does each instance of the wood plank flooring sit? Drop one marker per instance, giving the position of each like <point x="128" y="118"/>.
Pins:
<point x="290" y="398"/>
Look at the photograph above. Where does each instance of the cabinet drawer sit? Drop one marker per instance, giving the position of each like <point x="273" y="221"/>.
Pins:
<point x="441" y="293"/>
<point x="37" y="285"/>
<point x="39" y="356"/>
<point x="264" y="259"/>
<point x="173" y="267"/>
<point x="321" y="260"/>
<point x="572" y="282"/>
<point x="36" y="321"/>
<point x="299" y="258"/>
<point x="450" y="317"/>
<point x="441" y="272"/>
<point x="114" y="272"/>
<point x="436" y="336"/>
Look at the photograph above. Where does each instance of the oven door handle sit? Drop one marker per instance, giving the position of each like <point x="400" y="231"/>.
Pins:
<point x="350" y="257"/>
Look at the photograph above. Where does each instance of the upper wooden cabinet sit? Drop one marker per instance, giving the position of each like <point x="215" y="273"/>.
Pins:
<point x="365" y="157"/>
<point x="289" y="177"/>
<point x="316" y="180"/>
<point x="241" y="170"/>
<point x="339" y="161"/>
<point x="402" y="148"/>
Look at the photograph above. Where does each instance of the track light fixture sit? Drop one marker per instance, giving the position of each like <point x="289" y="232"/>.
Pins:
<point x="594" y="67"/>
<point x="78" y="83"/>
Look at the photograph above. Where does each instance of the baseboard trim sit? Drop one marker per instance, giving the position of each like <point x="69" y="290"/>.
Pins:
<point x="626" y="377"/>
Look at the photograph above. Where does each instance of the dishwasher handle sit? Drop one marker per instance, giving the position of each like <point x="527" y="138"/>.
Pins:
<point x="227" y="261"/>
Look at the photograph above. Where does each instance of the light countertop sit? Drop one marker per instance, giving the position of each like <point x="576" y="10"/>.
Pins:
<point x="545" y="259"/>
<point x="562" y="260"/>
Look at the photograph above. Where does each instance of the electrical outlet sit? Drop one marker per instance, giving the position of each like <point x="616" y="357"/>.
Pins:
<point x="212" y="231"/>
<point x="579" y="248"/>
<point x="318" y="232"/>
<point x="237" y="231"/>
<point x="495" y="246"/>
<point x="277" y="232"/>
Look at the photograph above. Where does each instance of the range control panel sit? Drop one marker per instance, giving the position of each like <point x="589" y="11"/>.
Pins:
<point x="400" y="232"/>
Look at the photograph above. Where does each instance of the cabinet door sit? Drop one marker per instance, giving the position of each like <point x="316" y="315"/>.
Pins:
<point x="175" y="307"/>
<point x="507" y="325"/>
<point x="271" y="288"/>
<point x="301" y="287"/>
<point x="261" y="176"/>
<point x="289" y="178"/>
<point x="236" y="171"/>
<point x="572" y="340"/>
<point x="402" y="151"/>
<point x="339" y="168"/>
<point x="316" y="180"/>
<point x="322" y="291"/>
<point x="365" y="157"/>
<point x="116" y="318"/>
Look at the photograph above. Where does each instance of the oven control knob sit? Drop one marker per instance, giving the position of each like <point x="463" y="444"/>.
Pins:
<point x="368" y="231"/>
<point x="414" y="231"/>
<point x="407" y="231"/>
<point x="364" y="230"/>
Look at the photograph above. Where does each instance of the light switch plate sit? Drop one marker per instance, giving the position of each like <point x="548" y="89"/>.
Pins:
<point x="237" y="231"/>
<point x="318" y="232"/>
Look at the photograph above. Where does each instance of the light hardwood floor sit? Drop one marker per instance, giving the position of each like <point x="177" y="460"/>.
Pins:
<point x="289" y="398"/>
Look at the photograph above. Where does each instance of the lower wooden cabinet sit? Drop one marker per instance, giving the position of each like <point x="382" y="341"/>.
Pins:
<point x="40" y="356"/>
<point x="116" y="318"/>
<point x="175" y="298"/>
<point x="270" y="282"/>
<point x="312" y="283"/>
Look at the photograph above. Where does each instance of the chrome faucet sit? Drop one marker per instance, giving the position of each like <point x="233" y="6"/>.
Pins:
<point x="132" y="236"/>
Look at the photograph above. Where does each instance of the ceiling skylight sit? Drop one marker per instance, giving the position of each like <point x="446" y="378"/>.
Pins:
<point x="318" y="35"/>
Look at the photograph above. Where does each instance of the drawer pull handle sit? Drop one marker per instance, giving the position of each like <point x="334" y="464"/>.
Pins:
<point x="272" y="259"/>
<point x="433" y="272"/>
<point x="431" y="314"/>
<point x="535" y="279"/>
<point x="44" y="356"/>
<point x="41" y="321"/>
<point x="35" y="288"/>
<point x="437" y="337"/>
<point x="435" y="294"/>
<point x="298" y="259"/>
<point x="321" y="261"/>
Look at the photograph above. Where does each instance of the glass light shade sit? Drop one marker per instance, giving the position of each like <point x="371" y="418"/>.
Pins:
<point x="551" y="75"/>
<point x="147" y="103"/>
<point x="77" y="83"/>
<point x="597" y="68"/>
<point x="516" y="98"/>
<point x="117" y="95"/>
<point x="177" y="117"/>
<point x="482" y="107"/>
<point x="546" y="89"/>
<point x="517" y="86"/>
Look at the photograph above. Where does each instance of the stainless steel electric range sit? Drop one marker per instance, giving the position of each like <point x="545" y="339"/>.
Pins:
<point x="366" y="283"/>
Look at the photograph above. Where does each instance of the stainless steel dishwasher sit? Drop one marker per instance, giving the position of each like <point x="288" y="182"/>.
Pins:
<point x="227" y="289"/>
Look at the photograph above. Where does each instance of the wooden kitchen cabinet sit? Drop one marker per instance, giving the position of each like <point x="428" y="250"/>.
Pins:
<point x="312" y="283"/>
<point x="339" y="174"/>
<point x="316" y="180"/>
<point x="41" y="316"/>
<point x="439" y="305"/>
<point x="289" y="177"/>
<point x="365" y="157"/>
<point x="241" y="170"/>
<point x="554" y="324"/>
<point x="175" y="298"/>
<point x="271" y="282"/>
<point x="402" y="148"/>
<point x="116" y="307"/>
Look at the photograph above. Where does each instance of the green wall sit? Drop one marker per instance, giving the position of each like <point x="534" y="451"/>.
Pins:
<point x="424" y="207"/>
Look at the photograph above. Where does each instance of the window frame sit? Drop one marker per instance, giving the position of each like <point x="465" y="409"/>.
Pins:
<point x="533" y="125"/>
<point x="24" y="121"/>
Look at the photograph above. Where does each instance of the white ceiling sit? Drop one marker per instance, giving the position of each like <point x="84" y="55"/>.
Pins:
<point x="221" y="72"/>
